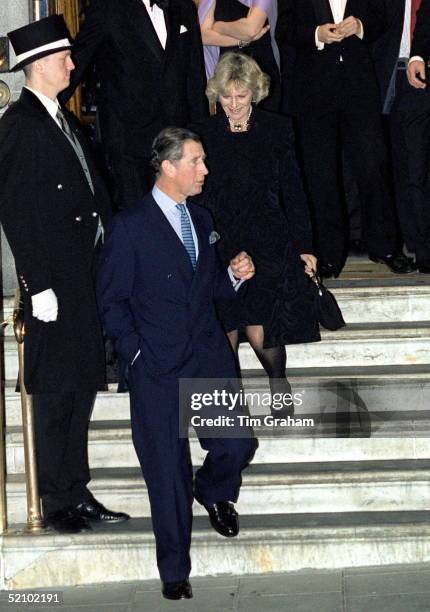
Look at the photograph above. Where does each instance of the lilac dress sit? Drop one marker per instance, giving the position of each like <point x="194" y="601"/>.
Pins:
<point x="264" y="51"/>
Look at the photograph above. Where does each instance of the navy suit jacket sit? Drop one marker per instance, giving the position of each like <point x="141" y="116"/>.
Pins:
<point x="151" y="299"/>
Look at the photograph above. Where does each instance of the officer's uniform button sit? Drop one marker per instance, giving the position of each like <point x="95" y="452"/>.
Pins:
<point x="59" y="186"/>
<point x="78" y="218"/>
<point x="95" y="214"/>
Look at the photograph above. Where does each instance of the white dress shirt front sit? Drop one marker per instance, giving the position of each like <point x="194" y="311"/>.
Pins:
<point x="156" y="15"/>
<point x="405" y="44"/>
<point x="338" y="10"/>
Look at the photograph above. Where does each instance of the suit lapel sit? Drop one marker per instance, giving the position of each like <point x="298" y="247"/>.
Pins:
<point x="172" y="18"/>
<point x="58" y="140"/>
<point x="141" y="22"/>
<point x="203" y="240"/>
<point x="323" y="11"/>
<point x="172" y="243"/>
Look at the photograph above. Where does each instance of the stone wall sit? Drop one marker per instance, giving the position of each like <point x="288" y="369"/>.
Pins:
<point x="13" y="14"/>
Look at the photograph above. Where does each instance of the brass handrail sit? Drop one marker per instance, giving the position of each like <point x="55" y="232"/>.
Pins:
<point x="34" y="514"/>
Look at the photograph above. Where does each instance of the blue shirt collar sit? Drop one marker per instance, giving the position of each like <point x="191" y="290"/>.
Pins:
<point x="164" y="201"/>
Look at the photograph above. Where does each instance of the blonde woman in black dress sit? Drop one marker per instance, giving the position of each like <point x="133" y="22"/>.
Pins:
<point x="254" y="191"/>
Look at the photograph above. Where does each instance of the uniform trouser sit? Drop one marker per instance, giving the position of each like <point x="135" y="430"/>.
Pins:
<point x="166" y="466"/>
<point x="410" y="141"/>
<point x="61" y="428"/>
<point x="321" y="139"/>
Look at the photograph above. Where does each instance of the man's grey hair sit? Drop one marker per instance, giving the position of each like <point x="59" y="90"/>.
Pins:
<point x="169" y="144"/>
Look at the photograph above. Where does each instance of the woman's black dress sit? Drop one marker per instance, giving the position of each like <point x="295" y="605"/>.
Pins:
<point x="255" y="194"/>
<point x="261" y="50"/>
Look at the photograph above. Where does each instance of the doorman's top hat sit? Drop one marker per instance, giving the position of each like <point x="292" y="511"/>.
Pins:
<point x="38" y="39"/>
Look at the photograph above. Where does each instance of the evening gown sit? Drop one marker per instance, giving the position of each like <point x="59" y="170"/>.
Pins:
<point x="260" y="50"/>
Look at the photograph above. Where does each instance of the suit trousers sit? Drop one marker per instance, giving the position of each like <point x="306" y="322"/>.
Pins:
<point x="61" y="428"/>
<point x="166" y="467"/>
<point x="322" y="137"/>
<point x="410" y="145"/>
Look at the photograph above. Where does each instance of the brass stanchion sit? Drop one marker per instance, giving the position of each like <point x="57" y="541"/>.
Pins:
<point x="3" y="501"/>
<point x="34" y="514"/>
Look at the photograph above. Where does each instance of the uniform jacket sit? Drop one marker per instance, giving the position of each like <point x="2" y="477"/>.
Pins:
<point x="150" y="298"/>
<point x="143" y="88"/>
<point x="318" y="81"/>
<point x="50" y="218"/>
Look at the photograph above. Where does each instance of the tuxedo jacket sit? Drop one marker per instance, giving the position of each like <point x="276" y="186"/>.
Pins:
<point x="421" y="40"/>
<point x="143" y="88"/>
<point x="50" y="218"/>
<point x="318" y="81"/>
<point x="152" y="300"/>
<point x="386" y="49"/>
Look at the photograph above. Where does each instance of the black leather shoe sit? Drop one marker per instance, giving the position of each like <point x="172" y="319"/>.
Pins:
<point x="223" y="517"/>
<point x="398" y="263"/>
<point x="177" y="590"/>
<point x="67" y="520"/>
<point x="92" y="510"/>
<point x="282" y="413"/>
<point x="423" y="267"/>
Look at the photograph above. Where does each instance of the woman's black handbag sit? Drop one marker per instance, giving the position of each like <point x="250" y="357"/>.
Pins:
<point x="327" y="311"/>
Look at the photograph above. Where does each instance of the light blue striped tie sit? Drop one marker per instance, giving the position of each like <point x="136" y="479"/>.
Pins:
<point x="187" y="234"/>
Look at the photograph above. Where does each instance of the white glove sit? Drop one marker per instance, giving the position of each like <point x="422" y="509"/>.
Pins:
<point x="45" y="305"/>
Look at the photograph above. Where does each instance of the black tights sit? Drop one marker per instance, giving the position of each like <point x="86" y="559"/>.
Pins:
<point x="273" y="360"/>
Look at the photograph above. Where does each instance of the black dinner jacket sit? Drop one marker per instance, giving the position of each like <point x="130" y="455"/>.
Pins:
<point x="143" y="87"/>
<point x="318" y="81"/>
<point x="421" y="40"/>
<point x="385" y="50"/>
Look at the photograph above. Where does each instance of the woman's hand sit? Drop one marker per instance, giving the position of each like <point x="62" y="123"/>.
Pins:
<point x="310" y="263"/>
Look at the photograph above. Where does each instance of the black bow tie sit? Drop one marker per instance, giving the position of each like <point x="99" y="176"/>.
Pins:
<point x="163" y="4"/>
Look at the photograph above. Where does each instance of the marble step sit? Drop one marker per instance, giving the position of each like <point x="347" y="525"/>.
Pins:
<point x="275" y="488"/>
<point x="320" y="389"/>
<point x="266" y="543"/>
<point x="354" y="346"/>
<point x="393" y="300"/>
<point x="110" y="444"/>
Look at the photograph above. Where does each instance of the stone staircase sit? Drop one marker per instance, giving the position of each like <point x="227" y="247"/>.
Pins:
<point x="352" y="490"/>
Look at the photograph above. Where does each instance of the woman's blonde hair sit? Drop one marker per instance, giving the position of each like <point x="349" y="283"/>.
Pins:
<point x="240" y="70"/>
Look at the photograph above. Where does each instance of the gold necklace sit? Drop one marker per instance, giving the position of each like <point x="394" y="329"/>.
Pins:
<point x="239" y="127"/>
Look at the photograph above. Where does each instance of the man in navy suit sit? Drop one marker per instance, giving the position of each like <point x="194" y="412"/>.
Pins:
<point x="158" y="279"/>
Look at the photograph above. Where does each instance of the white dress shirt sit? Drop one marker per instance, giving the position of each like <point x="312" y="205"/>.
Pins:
<point x="405" y="44"/>
<point x="156" y="15"/>
<point x="338" y="10"/>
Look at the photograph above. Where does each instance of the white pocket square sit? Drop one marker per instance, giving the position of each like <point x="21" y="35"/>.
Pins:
<point x="183" y="29"/>
<point x="214" y="237"/>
